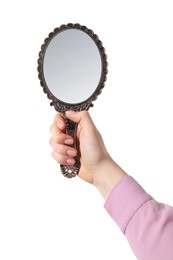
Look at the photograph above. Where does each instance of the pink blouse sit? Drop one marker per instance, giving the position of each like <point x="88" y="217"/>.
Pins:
<point x="147" y="224"/>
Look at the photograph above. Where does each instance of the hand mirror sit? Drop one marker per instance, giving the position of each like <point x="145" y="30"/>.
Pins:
<point x="72" y="68"/>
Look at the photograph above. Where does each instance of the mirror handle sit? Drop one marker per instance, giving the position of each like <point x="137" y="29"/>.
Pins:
<point x="71" y="171"/>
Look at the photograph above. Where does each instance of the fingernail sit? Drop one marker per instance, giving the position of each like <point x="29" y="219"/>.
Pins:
<point x="68" y="141"/>
<point x="71" y="152"/>
<point x="70" y="112"/>
<point x="70" y="161"/>
<point x="59" y="125"/>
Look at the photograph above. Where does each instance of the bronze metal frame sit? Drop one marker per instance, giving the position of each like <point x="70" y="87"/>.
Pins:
<point x="59" y="105"/>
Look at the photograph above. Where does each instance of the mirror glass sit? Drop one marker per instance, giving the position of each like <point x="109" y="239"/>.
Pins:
<point x="72" y="66"/>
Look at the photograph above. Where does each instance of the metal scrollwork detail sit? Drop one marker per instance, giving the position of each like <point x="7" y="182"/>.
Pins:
<point x="70" y="172"/>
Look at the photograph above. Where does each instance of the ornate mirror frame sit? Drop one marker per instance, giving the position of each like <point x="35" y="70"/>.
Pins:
<point x="62" y="107"/>
<point x="59" y="105"/>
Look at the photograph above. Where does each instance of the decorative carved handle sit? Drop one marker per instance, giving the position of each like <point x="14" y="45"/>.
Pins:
<point x="71" y="171"/>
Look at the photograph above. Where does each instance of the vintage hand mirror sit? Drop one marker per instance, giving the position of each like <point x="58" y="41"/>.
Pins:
<point x="72" y="68"/>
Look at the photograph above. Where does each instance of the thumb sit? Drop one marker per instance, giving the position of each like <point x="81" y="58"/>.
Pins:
<point x="77" y="117"/>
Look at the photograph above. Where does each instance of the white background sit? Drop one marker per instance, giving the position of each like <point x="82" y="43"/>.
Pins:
<point x="42" y="214"/>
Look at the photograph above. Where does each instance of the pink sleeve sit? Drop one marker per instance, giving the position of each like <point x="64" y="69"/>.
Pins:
<point x="147" y="224"/>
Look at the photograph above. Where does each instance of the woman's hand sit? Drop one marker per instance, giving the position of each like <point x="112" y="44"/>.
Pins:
<point x="97" y="167"/>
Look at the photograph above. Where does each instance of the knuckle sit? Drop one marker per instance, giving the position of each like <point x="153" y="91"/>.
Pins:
<point x="58" y="152"/>
<point x="58" y="139"/>
<point x="58" y="157"/>
<point x="53" y="154"/>
<point x="60" y="149"/>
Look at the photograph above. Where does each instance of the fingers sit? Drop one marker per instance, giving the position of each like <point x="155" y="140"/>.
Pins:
<point x="59" y="137"/>
<point x="59" y="141"/>
<point x="57" y="131"/>
<point x="64" y="149"/>
<point x="59" y="122"/>
<point x="64" y="154"/>
<point x="62" y="159"/>
<point x="61" y="152"/>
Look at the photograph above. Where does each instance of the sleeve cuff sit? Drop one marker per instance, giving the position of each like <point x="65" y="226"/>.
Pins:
<point x="124" y="200"/>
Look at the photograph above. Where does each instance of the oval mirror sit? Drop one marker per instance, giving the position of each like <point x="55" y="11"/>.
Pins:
<point x="72" y="68"/>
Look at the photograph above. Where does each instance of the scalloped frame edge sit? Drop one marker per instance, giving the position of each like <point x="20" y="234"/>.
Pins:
<point x="59" y="105"/>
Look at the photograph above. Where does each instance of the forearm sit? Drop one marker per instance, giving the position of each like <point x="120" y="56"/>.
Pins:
<point x="108" y="174"/>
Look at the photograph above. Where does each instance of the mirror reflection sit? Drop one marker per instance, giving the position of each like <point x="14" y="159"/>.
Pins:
<point x="72" y="66"/>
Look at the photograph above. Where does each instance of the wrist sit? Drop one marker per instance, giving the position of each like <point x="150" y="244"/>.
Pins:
<point x="108" y="174"/>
